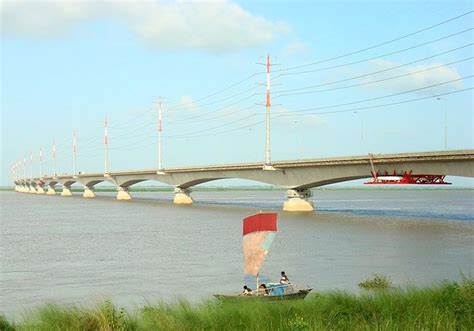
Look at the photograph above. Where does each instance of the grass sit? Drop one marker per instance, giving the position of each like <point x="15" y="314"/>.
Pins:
<point x="449" y="306"/>
<point x="376" y="282"/>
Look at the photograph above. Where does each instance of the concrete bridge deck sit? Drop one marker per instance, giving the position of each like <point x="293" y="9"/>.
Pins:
<point x="298" y="176"/>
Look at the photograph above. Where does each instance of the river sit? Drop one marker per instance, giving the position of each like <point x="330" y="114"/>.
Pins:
<point x="80" y="251"/>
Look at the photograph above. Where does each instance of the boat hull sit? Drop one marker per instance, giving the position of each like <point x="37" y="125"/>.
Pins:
<point x="301" y="294"/>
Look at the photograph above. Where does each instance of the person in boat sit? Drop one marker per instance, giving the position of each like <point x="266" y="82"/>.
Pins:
<point x="284" y="280"/>
<point x="263" y="289"/>
<point x="247" y="290"/>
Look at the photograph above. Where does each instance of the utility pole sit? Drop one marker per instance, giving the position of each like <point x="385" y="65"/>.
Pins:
<point x="31" y="165"/>
<point x="443" y="104"/>
<point x="24" y="167"/>
<point x="41" y="163"/>
<point x="74" y="154"/>
<point x="54" y="159"/>
<point x="445" y="127"/>
<point x="106" y="148"/>
<point x="268" y="161"/>
<point x="160" y="130"/>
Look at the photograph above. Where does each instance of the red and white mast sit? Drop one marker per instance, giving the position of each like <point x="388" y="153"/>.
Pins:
<point x="268" y="161"/>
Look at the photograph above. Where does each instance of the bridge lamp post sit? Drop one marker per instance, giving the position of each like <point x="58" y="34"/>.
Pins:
<point x="443" y="104"/>
<point x="31" y="165"/>
<point x="106" y="149"/>
<point x="160" y="131"/>
<point x="361" y="131"/>
<point x="74" y="154"/>
<point x="40" y="162"/>
<point x="54" y="159"/>
<point x="24" y="167"/>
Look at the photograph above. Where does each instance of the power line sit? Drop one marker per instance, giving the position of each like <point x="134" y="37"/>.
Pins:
<point x="376" y="106"/>
<point x="192" y="103"/>
<point x="215" y="117"/>
<point x="377" y="45"/>
<point x="226" y="88"/>
<point x="332" y="112"/>
<point x="216" y="127"/>
<point x="386" y="96"/>
<point x="376" y="72"/>
<point x="376" y="57"/>
<point x="374" y="81"/>
<point x="188" y="119"/>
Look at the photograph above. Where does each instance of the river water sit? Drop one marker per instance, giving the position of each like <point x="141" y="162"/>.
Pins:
<point x="80" y="251"/>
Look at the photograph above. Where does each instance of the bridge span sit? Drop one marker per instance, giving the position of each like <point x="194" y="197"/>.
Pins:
<point x="297" y="176"/>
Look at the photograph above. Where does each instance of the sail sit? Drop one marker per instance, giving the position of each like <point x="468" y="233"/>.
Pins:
<point x="259" y="230"/>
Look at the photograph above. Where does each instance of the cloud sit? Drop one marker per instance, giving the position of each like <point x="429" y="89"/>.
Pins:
<point x="184" y="103"/>
<point x="295" y="47"/>
<point x="215" y="26"/>
<point x="284" y="116"/>
<point x="417" y="76"/>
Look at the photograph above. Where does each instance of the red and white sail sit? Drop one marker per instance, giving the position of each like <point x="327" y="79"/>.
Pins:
<point x="259" y="230"/>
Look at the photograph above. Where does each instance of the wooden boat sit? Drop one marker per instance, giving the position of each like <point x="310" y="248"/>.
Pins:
<point x="259" y="230"/>
<point x="300" y="294"/>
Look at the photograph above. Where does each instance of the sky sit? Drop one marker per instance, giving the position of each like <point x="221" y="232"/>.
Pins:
<point x="347" y="78"/>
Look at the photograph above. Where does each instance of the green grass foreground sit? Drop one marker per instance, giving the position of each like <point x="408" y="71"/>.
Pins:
<point x="449" y="306"/>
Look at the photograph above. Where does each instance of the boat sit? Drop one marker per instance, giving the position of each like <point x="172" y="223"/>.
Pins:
<point x="259" y="230"/>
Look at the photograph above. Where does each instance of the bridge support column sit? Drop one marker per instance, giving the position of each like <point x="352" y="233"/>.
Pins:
<point x="40" y="190"/>
<point x="32" y="189"/>
<point x="123" y="194"/>
<point x="298" y="200"/>
<point x="22" y="189"/>
<point x="88" y="192"/>
<point x="182" y="196"/>
<point x="66" y="192"/>
<point x="51" y="190"/>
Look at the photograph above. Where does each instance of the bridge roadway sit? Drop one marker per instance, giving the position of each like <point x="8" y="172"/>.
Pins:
<point x="297" y="176"/>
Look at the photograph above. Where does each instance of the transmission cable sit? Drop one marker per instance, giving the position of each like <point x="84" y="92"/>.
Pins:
<point x="374" y="72"/>
<point x="374" y="81"/>
<point x="375" y="57"/>
<point x="377" y="45"/>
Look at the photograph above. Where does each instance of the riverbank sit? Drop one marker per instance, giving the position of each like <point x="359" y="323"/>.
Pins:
<point x="448" y="306"/>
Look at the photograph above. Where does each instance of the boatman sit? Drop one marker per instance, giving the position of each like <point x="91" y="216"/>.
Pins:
<point x="284" y="279"/>
<point x="247" y="290"/>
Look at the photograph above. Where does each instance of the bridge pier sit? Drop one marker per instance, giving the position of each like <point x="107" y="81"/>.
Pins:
<point x="88" y="192"/>
<point x="298" y="200"/>
<point x="66" y="192"/>
<point x="51" y="190"/>
<point x="40" y="190"/>
<point x="182" y="196"/>
<point x="32" y="189"/>
<point x="123" y="194"/>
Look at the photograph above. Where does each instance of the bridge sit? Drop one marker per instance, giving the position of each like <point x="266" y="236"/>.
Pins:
<point x="297" y="176"/>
